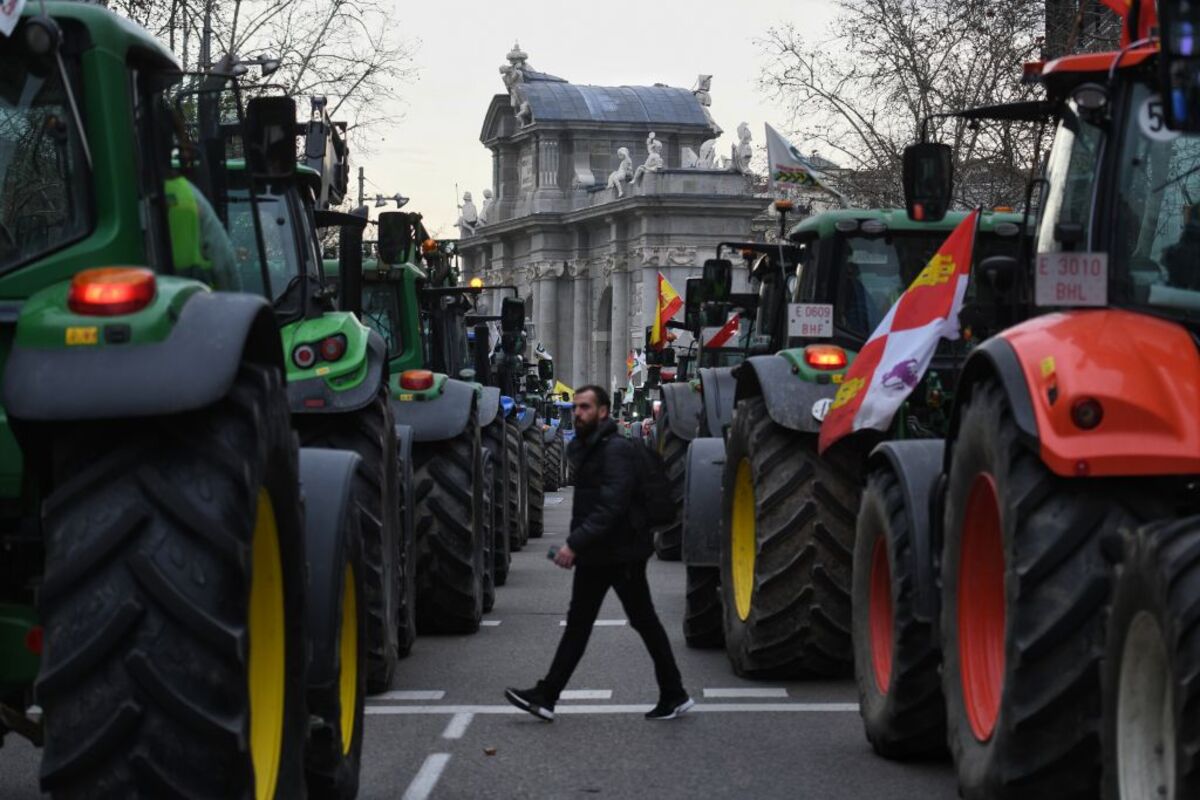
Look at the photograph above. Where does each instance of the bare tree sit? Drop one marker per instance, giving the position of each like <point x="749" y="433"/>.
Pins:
<point x="350" y="51"/>
<point x="889" y="67"/>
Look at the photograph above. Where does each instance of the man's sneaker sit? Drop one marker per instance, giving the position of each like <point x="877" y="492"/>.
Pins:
<point x="670" y="708"/>
<point x="533" y="700"/>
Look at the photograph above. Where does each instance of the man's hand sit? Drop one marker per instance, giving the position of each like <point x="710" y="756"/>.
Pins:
<point x="565" y="557"/>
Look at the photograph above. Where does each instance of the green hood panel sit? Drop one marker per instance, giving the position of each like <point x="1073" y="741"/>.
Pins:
<point x="801" y="369"/>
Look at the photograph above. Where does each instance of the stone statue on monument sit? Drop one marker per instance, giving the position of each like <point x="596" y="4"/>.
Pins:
<point x="485" y="211"/>
<point x="468" y="217"/>
<point x="702" y="91"/>
<point x="654" y="161"/>
<point x="621" y="174"/>
<point x="743" y="151"/>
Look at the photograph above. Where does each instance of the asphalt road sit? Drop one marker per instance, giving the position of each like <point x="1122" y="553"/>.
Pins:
<point x="445" y="731"/>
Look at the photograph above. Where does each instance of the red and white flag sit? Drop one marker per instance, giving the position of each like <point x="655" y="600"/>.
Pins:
<point x="894" y="359"/>
<point x="715" y="338"/>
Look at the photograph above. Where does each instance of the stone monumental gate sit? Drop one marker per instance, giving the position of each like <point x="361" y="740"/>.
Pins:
<point x="595" y="189"/>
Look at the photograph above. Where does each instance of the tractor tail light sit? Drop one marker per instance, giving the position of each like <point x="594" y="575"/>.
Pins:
<point x="109" y="291"/>
<point x="825" y="356"/>
<point x="34" y="639"/>
<point x="417" y="380"/>
<point x="333" y="347"/>
<point x="1087" y="413"/>
<point x="304" y="356"/>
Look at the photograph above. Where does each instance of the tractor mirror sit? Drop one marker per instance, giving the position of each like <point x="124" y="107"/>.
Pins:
<point x="693" y="299"/>
<point x="668" y="357"/>
<point x="512" y="315"/>
<point x="482" y="351"/>
<point x="654" y="377"/>
<point x="1179" y="64"/>
<point x="928" y="180"/>
<point x="999" y="272"/>
<point x="718" y="280"/>
<point x="545" y="369"/>
<point x="395" y="236"/>
<point x="270" y="137"/>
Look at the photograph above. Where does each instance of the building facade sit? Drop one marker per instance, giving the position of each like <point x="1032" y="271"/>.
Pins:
<point x="596" y="190"/>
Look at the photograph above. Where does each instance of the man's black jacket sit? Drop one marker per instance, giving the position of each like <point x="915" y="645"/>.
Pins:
<point x="606" y="525"/>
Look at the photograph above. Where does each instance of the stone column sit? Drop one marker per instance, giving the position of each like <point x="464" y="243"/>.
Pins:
<point x="545" y="303"/>
<point x="581" y="312"/>
<point x="620" y="326"/>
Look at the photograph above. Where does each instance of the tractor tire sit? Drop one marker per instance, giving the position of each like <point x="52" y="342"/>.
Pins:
<point x="786" y="560"/>
<point x="668" y="539"/>
<point x="536" y="461"/>
<point x="703" y="624"/>
<point x="896" y="657"/>
<point x="494" y="440"/>
<point x="554" y="459"/>
<point x="406" y="626"/>
<point x="369" y="432"/>
<point x="518" y="506"/>
<point x="173" y="603"/>
<point x="448" y="484"/>
<point x="333" y="758"/>
<point x="1151" y="729"/>
<point x="1025" y="585"/>
<point x="490" y="511"/>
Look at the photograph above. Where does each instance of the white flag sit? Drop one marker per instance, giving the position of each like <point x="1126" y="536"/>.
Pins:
<point x="790" y="170"/>
<point x="10" y="14"/>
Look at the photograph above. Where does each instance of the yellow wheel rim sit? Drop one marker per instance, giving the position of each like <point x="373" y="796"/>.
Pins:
<point x="348" y="680"/>
<point x="743" y="540"/>
<point x="266" y="674"/>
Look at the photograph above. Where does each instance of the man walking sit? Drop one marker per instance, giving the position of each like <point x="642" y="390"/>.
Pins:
<point x="608" y="546"/>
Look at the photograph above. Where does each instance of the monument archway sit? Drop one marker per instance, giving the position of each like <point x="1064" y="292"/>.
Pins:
<point x="602" y="340"/>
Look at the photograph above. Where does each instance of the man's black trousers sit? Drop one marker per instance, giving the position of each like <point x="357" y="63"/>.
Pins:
<point x="590" y="586"/>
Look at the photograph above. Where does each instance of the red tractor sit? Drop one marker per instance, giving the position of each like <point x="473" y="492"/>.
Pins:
<point x="1026" y="591"/>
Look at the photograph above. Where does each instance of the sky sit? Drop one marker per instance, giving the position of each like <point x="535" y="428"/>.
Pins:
<point x="434" y="143"/>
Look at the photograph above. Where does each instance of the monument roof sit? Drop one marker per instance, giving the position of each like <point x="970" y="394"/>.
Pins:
<point x="654" y="105"/>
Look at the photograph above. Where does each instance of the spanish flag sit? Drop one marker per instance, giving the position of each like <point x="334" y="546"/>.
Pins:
<point x="669" y="303"/>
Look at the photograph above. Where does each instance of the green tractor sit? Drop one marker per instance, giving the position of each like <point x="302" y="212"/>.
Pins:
<point x="183" y="612"/>
<point x="781" y="556"/>
<point x="411" y="297"/>
<point x="337" y="367"/>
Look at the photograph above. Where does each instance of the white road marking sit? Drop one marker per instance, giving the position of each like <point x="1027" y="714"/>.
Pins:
<point x="759" y="691"/>
<point x="410" y="694"/>
<point x="586" y="694"/>
<point x="723" y="708"/>
<point x="600" y="623"/>
<point x="427" y="776"/>
<point x="457" y="725"/>
<point x="552" y="501"/>
<point x="491" y="623"/>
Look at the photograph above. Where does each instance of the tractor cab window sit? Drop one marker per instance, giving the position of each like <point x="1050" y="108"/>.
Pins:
<point x="873" y="271"/>
<point x="44" y="183"/>
<point x="1070" y="178"/>
<point x="1156" y="253"/>
<point x="381" y="311"/>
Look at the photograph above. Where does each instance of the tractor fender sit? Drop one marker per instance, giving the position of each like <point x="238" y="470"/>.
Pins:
<point x="489" y="405"/>
<point x="192" y="368"/>
<point x="682" y="404"/>
<point x="404" y="448"/>
<point x="550" y="432"/>
<point x="526" y="419"/>
<point x="717" y="387"/>
<point x="316" y="396"/>
<point x="791" y="401"/>
<point x="443" y="417"/>
<point x="507" y="405"/>
<point x="1143" y="371"/>
<point x="917" y="465"/>
<point x="327" y="479"/>
<point x="702" y="502"/>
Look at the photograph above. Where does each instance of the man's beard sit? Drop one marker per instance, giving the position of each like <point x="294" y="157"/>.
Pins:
<point x="586" y="429"/>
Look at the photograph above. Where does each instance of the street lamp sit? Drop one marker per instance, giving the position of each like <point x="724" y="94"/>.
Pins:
<point x="381" y="201"/>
